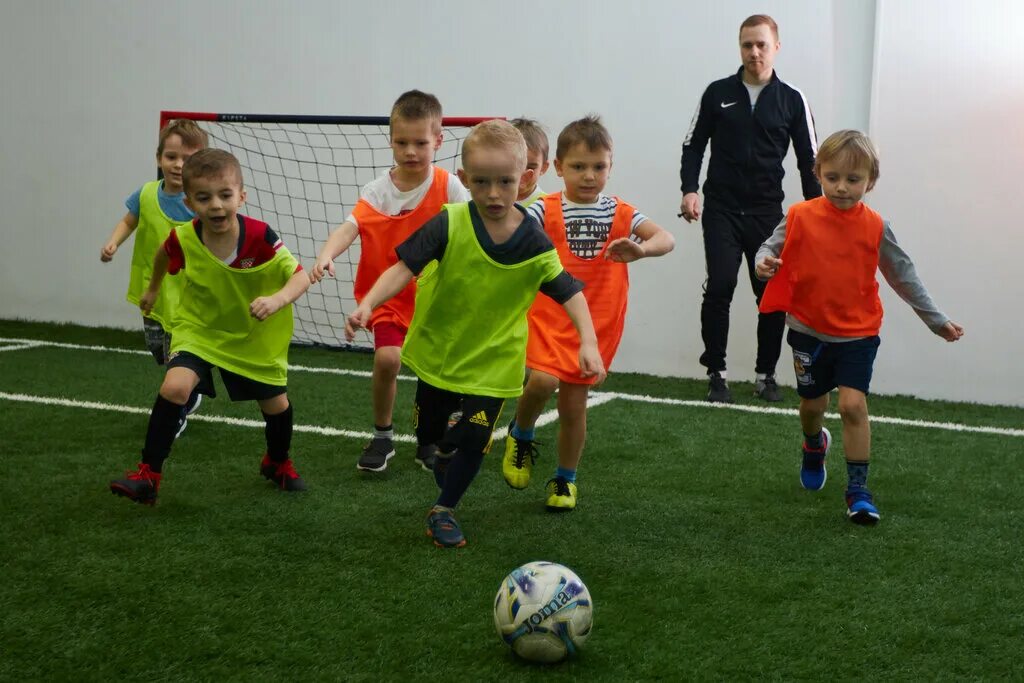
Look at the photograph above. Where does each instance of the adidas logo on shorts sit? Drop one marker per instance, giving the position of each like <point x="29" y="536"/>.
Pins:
<point x="480" y="419"/>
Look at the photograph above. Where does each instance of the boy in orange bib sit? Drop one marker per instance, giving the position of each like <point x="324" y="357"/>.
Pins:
<point x="821" y="262"/>
<point x="596" y="236"/>
<point x="390" y="209"/>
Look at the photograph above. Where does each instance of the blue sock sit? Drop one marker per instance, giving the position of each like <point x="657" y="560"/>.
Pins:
<point x="518" y="433"/>
<point x="567" y="474"/>
<point x="857" y="470"/>
<point x="815" y="442"/>
<point x="462" y="469"/>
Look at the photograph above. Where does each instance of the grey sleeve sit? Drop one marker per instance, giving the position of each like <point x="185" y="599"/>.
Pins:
<point x="899" y="272"/>
<point x="773" y="245"/>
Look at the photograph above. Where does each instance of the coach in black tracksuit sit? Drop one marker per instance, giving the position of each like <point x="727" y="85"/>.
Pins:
<point x="750" y="118"/>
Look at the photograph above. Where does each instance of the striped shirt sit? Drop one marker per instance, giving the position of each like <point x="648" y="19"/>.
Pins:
<point x="587" y="225"/>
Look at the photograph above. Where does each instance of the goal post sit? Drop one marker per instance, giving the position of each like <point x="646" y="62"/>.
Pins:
<point x="302" y="176"/>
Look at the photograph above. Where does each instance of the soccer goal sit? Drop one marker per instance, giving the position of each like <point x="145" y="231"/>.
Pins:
<point x="302" y="176"/>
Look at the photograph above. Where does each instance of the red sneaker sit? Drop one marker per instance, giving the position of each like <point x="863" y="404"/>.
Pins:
<point x="282" y="473"/>
<point x="140" y="485"/>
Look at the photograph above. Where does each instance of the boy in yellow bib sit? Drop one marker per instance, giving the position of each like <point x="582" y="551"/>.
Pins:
<point x="237" y="285"/>
<point x="153" y="211"/>
<point x="467" y="340"/>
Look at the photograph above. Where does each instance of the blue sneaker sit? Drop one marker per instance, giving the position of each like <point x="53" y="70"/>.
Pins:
<point x="442" y="527"/>
<point x="812" y="469"/>
<point x="860" y="508"/>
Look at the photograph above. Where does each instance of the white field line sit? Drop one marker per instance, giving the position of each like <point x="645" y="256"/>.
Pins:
<point x="218" y="419"/>
<point x="19" y="347"/>
<point x="766" y="410"/>
<point x="597" y="398"/>
<point x="35" y="343"/>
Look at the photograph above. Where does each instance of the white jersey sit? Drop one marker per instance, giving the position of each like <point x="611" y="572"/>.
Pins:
<point x="382" y="194"/>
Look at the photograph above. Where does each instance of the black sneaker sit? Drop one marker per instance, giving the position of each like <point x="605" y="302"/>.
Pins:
<point x="768" y="389"/>
<point x="718" y="389"/>
<point x="376" y="455"/>
<point x="426" y="455"/>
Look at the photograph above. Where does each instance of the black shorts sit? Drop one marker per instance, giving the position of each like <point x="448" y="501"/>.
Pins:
<point x="471" y="433"/>
<point x="822" y="366"/>
<point x="239" y="388"/>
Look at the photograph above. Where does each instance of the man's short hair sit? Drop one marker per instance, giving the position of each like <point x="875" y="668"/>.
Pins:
<point x="416" y="105"/>
<point x="188" y="130"/>
<point x="534" y="134"/>
<point x="588" y="131"/>
<point x="496" y="134"/>
<point x="849" y="146"/>
<point x="207" y="163"/>
<point x="759" y="19"/>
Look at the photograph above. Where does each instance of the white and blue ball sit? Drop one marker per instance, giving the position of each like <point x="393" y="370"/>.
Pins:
<point x="543" y="611"/>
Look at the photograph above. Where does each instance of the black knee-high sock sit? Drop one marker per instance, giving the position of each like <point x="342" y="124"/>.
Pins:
<point x="461" y="471"/>
<point x="164" y="422"/>
<point x="279" y="434"/>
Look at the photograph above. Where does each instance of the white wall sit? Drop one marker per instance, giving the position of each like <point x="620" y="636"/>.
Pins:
<point x="84" y="82"/>
<point x="949" y="94"/>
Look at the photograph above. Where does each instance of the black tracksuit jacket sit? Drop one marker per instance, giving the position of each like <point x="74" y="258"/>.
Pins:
<point x="747" y="146"/>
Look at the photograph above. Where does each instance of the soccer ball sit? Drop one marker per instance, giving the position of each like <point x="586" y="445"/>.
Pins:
<point x="543" y="611"/>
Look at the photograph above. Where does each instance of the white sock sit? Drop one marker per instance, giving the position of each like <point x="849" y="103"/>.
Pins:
<point x="760" y="377"/>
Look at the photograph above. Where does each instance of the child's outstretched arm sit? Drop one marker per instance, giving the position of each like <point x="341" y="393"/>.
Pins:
<point x="899" y="271"/>
<point x="591" y="364"/>
<point x="654" y="241"/>
<point x="124" y="228"/>
<point x="767" y="261"/>
<point x="265" y="306"/>
<point x="160" y="263"/>
<point x="336" y="244"/>
<point x="391" y="282"/>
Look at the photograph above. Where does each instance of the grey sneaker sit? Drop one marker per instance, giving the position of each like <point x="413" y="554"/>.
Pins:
<point x="768" y="389"/>
<point x="376" y="455"/>
<point x="426" y="455"/>
<point x="718" y="389"/>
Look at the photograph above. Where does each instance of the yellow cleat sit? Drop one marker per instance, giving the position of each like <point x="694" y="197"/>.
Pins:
<point x="561" y="495"/>
<point x="520" y="454"/>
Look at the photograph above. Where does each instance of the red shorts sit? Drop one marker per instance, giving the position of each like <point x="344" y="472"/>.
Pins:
<point x="388" y="334"/>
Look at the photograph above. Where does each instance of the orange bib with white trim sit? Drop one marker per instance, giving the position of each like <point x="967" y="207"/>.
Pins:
<point x="553" y="345"/>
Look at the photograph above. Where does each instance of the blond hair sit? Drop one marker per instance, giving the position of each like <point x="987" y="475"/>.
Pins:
<point x="534" y="134"/>
<point x="416" y="105"/>
<point x="496" y="134"/>
<point x="207" y="163"/>
<point x="588" y="131"/>
<point x="759" y="19"/>
<point x="188" y="130"/>
<point x="849" y="146"/>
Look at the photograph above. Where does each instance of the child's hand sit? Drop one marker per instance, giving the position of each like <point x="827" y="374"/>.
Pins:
<point x="768" y="267"/>
<point x="357" y="321"/>
<point x="147" y="300"/>
<point x="950" y="331"/>
<point x="591" y="364"/>
<point x="265" y="306"/>
<point x="321" y="268"/>
<point x="108" y="251"/>
<point x="624" y="250"/>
